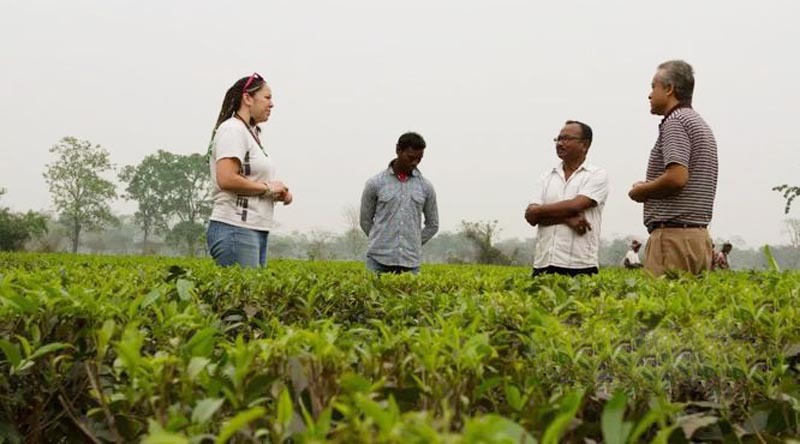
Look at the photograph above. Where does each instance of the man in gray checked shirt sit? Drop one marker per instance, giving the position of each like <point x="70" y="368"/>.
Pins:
<point x="391" y="211"/>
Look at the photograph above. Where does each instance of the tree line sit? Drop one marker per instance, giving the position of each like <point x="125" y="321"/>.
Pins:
<point x="173" y="197"/>
<point x="172" y="193"/>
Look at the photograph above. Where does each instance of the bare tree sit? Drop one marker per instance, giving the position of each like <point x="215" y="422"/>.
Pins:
<point x="483" y="234"/>
<point x="354" y="239"/>
<point x="793" y="229"/>
<point x="319" y="246"/>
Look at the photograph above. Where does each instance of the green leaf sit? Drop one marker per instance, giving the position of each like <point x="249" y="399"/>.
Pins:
<point x="104" y="335"/>
<point x="615" y="429"/>
<point x="22" y="303"/>
<point x="157" y="435"/>
<point x="773" y="264"/>
<point x="129" y="347"/>
<point x="285" y="410"/>
<point x="151" y="297"/>
<point x="49" y="348"/>
<point x="352" y="383"/>
<point x="238" y="422"/>
<point x="496" y="429"/>
<point x="205" y="409"/>
<point x="26" y="346"/>
<point x="376" y="413"/>
<point x="202" y="343"/>
<point x="185" y="288"/>
<point x="196" y="365"/>
<point x="11" y="351"/>
<point x="513" y="397"/>
<point x="662" y="437"/>
<point x="567" y="410"/>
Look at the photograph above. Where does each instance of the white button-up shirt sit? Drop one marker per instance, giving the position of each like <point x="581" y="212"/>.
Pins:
<point x="558" y="245"/>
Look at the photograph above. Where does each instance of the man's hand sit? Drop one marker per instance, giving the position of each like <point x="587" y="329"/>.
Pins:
<point x="579" y="224"/>
<point x="637" y="192"/>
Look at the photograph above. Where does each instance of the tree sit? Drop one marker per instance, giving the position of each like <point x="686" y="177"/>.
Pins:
<point x="16" y="229"/>
<point x="148" y="185"/>
<point x="482" y="234"/>
<point x="319" y="246"/>
<point x="171" y="189"/>
<point x="188" y="198"/>
<point x="185" y="237"/>
<point x="789" y="193"/>
<point x="81" y="196"/>
<point x="793" y="228"/>
<point x="354" y="239"/>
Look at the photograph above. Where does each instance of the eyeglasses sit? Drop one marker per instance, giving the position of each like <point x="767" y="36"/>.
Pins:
<point x="566" y="138"/>
<point x="254" y="76"/>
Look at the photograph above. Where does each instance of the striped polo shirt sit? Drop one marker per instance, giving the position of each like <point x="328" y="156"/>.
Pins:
<point x="686" y="139"/>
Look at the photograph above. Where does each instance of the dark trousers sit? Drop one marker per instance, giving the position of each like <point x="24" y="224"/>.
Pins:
<point x="564" y="271"/>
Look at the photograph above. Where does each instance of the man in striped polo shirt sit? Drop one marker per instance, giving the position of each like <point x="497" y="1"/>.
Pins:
<point x="678" y="194"/>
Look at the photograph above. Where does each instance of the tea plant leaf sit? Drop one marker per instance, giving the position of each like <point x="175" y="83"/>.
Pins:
<point x="196" y="365"/>
<point x="496" y="429"/>
<point x="157" y="435"/>
<point x="202" y="343"/>
<point x="615" y="429"/>
<point x="11" y="352"/>
<point x="285" y="410"/>
<point x="185" y="288"/>
<point x="238" y="422"/>
<point x="103" y="336"/>
<point x="773" y="264"/>
<point x="513" y="397"/>
<point x="49" y="348"/>
<point x="205" y="409"/>
<point x="568" y="408"/>
<point x="23" y="304"/>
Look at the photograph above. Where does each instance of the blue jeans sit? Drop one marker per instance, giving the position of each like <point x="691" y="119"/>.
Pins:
<point x="230" y="245"/>
<point x="377" y="267"/>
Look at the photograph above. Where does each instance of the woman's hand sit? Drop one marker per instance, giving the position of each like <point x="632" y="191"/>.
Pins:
<point x="287" y="198"/>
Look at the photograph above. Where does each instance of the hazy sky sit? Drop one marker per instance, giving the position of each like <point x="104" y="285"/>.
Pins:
<point x="487" y="83"/>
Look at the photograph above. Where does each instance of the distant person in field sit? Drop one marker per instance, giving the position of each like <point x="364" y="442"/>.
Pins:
<point x="567" y="206"/>
<point x="243" y="175"/>
<point x="720" y="259"/>
<point x="681" y="184"/>
<point x="392" y="206"/>
<point x="631" y="259"/>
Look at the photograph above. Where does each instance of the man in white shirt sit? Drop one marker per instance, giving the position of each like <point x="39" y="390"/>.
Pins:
<point x="567" y="207"/>
<point x="631" y="259"/>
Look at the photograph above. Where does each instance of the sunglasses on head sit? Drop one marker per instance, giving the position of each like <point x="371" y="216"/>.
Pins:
<point x="254" y="76"/>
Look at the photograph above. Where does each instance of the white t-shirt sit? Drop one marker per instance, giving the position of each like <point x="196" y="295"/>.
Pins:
<point x="632" y="257"/>
<point x="558" y="245"/>
<point x="233" y="140"/>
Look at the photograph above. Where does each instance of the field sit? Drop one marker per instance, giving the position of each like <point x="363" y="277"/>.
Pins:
<point x="123" y="349"/>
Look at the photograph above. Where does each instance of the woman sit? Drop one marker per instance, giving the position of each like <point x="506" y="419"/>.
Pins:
<point x="243" y="174"/>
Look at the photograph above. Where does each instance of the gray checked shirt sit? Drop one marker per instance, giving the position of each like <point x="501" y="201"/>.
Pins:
<point x="391" y="215"/>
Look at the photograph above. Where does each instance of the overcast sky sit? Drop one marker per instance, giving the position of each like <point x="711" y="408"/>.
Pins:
<point x="487" y="83"/>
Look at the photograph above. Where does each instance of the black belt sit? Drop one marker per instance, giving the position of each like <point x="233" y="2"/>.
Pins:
<point x="657" y="225"/>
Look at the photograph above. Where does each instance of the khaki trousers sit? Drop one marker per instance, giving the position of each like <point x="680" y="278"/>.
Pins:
<point x="679" y="249"/>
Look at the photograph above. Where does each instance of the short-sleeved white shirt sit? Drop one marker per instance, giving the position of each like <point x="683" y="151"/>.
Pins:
<point x="233" y="140"/>
<point x="632" y="257"/>
<point x="558" y="245"/>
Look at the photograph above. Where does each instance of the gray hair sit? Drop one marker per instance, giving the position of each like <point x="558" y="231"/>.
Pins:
<point x="680" y="76"/>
